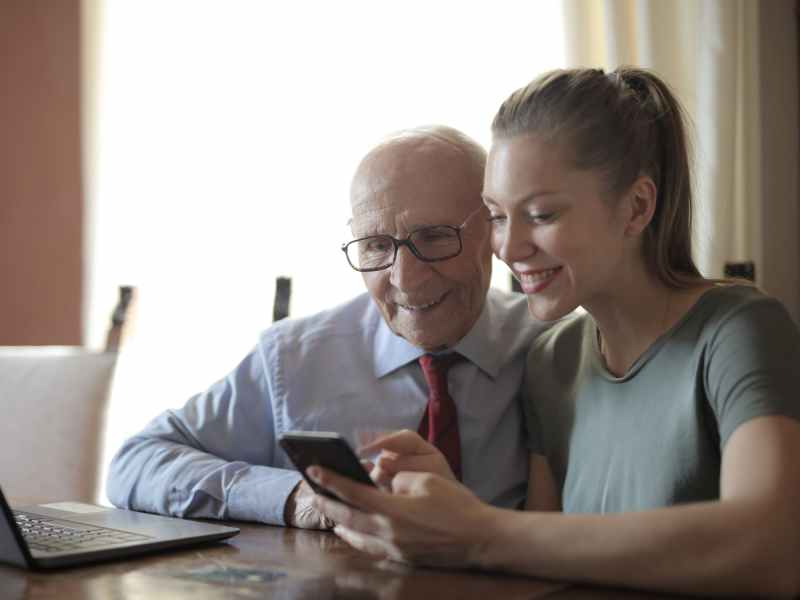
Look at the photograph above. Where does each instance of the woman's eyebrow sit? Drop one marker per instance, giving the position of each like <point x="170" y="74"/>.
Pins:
<point x="526" y="198"/>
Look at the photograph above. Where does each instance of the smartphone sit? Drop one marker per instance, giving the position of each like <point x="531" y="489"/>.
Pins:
<point x="325" y="449"/>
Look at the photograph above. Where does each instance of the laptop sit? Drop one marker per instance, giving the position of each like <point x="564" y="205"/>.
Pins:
<point x="72" y="533"/>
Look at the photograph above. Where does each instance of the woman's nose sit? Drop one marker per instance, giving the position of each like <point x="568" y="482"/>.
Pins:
<point x="513" y="242"/>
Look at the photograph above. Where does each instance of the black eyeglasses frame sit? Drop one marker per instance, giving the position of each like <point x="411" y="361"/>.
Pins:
<point x="406" y="241"/>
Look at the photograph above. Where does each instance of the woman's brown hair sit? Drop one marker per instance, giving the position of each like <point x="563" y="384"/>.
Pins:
<point x="624" y="124"/>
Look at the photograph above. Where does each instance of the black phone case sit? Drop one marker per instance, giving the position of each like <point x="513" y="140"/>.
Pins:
<point x="332" y="453"/>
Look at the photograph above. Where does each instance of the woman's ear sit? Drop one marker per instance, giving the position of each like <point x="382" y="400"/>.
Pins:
<point x="641" y="200"/>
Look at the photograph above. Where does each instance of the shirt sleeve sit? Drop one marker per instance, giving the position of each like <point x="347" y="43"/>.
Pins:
<point x="210" y="458"/>
<point x="533" y="429"/>
<point x="753" y="365"/>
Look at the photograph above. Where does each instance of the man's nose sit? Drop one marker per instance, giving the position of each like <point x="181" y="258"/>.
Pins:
<point x="409" y="272"/>
<point x="514" y="242"/>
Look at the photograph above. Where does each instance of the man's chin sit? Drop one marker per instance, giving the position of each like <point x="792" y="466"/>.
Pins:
<point x="430" y="345"/>
<point x="419" y="330"/>
<point x="427" y="333"/>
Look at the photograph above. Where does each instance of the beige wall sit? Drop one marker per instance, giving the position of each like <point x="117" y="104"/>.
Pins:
<point x="40" y="183"/>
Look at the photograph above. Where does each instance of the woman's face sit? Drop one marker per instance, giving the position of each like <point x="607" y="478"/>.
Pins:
<point x="553" y="225"/>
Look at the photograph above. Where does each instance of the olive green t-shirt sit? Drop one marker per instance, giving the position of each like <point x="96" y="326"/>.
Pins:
<point x="654" y="436"/>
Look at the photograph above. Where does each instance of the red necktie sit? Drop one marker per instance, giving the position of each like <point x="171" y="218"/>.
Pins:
<point x="439" y="424"/>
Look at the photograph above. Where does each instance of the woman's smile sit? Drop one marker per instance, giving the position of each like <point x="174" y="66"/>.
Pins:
<point x="533" y="282"/>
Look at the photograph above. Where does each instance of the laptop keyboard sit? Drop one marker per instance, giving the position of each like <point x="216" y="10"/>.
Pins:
<point x="53" y="535"/>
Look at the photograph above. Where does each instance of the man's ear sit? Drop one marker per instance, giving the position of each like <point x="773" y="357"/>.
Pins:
<point x="641" y="200"/>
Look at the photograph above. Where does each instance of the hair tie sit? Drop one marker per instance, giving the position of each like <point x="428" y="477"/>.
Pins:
<point x="636" y="85"/>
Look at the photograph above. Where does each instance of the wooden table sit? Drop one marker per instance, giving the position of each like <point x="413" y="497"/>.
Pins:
<point x="273" y="562"/>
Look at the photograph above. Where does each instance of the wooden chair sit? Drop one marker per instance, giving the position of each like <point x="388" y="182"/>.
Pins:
<point x="53" y="402"/>
<point x="283" y="296"/>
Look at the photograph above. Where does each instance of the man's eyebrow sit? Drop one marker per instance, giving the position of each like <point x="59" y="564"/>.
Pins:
<point x="421" y="225"/>
<point x="371" y="229"/>
<point x="364" y="229"/>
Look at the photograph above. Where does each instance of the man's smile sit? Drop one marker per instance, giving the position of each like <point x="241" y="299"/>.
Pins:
<point x="421" y="306"/>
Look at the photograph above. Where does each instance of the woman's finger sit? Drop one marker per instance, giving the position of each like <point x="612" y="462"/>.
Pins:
<point x="404" y="441"/>
<point x="424" y="463"/>
<point x="365" y="498"/>
<point x="386" y="462"/>
<point x="347" y="516"/>
<point x="364" y="543"/>
<point x="382" y="478"/>
<point x="410" y="483"/>
<point x="352" y="492"/>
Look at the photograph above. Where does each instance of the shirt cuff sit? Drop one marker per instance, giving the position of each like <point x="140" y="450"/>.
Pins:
<point x="260" y="494"/>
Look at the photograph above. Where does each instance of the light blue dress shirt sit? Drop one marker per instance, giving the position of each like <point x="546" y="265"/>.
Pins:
<point x="340" y="370"/>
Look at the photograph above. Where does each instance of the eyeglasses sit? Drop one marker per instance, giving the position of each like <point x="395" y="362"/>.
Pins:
<point x="428" y="244"/>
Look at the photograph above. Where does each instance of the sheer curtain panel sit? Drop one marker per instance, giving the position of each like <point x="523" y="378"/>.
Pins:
<point x="734" y="64"/>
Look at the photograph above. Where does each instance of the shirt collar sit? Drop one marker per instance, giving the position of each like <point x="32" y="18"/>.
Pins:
<point x="392" y="352"/>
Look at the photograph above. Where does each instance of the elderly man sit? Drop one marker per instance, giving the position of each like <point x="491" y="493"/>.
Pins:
<point x="376" y="363"/>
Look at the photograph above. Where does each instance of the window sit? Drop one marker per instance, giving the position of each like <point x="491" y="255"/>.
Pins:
<point x="221" y="128"/>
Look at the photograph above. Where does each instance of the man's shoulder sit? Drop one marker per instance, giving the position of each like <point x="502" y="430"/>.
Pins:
<point x="508" y="306"/>
<point x="355" y="318"/>
<point x="509" y="314"/>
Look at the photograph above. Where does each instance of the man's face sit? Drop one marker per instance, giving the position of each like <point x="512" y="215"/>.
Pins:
<point x="417" y="183"/>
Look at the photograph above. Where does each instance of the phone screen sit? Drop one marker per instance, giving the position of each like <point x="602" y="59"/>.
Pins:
<point x="324" y="449"/>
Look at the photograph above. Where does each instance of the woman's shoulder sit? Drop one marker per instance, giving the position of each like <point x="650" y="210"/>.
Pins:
<point x="749" y="347"/>
<point x="724" y="303"/>
<point x="563" y="341"/>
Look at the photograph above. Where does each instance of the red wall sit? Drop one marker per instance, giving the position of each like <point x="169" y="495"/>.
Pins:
<point x="41" y="210"/>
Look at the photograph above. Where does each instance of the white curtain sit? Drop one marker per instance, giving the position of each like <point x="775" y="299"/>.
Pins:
<point x="724" y="59"/>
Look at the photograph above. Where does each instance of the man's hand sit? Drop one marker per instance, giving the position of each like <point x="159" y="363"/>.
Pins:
<point x="405" y="451"/>
<point x="299" y="512"/>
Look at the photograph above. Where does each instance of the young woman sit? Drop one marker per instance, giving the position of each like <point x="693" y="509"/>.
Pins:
<point x="663" y="420"/>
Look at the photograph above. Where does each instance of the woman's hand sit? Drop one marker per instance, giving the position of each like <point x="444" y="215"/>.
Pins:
<point x="405" y="451"/>
<point x="426" y="519"/>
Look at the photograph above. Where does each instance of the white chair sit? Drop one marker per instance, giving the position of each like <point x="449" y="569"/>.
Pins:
<point x="53" y="402"/>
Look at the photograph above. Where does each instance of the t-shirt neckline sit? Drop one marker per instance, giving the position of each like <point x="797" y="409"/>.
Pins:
<point x="644" y="357"/>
